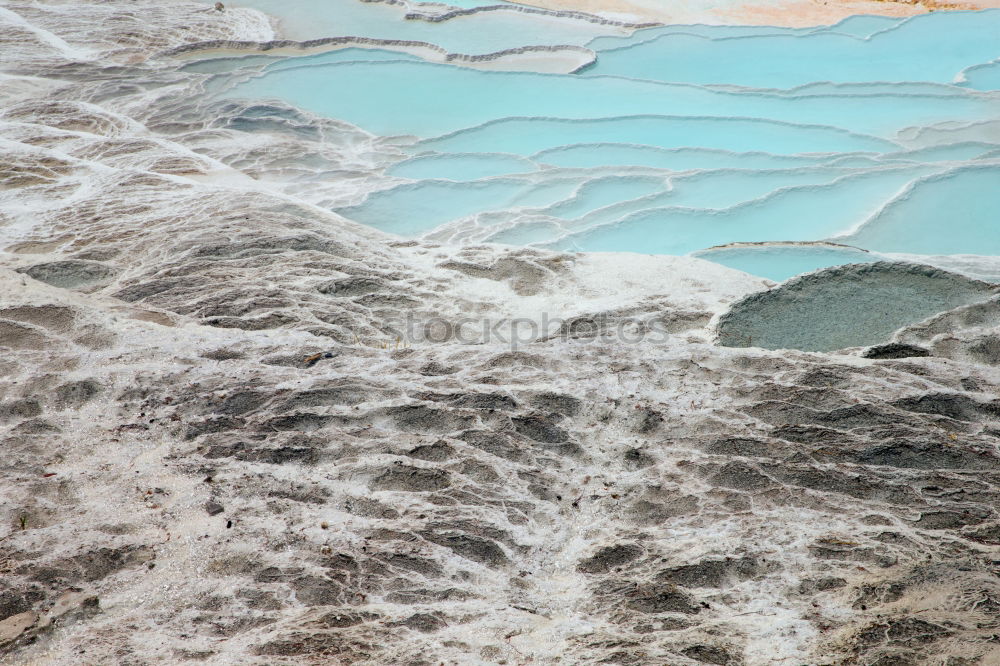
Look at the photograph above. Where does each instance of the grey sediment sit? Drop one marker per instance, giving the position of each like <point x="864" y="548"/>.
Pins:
<point x="554" y="13"/>
<point x="332" y="43"/>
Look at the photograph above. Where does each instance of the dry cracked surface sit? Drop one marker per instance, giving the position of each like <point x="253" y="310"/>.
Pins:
<point x="217" y="448"/>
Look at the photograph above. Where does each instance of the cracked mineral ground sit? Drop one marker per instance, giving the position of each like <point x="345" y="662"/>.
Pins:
<point x="220" y="442"/>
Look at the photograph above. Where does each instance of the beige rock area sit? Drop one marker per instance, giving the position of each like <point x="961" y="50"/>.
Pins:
<point x="790" y="13"/>
<point x="221" y="444"/>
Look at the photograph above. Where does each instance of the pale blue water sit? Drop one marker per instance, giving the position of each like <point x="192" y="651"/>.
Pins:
<point x="953" y="152"/>
<point x="526" y="136"/>
<point x="797" y="213"/>
<point x="371" y="94"/>
<point x="879" y="133"/>
<point x="862" y="26"/>
<point x="959" y="40"/>
<point x="607" y="43"/>
<point x="712" y="190"/>
<point x="957" y="212"/>
<point x="781" y="261"/>
<point x="674" y="159"/>
<point x="857" y="26"/>
<point x="219" y="65"/>
<point x="602" y="192"/>
<point x="416" y="208"/>
<point x="461" y="166"/>
<point x="983" y="77"/>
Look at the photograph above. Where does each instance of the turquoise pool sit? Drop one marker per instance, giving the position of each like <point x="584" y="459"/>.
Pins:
<point x="881" y="135"/>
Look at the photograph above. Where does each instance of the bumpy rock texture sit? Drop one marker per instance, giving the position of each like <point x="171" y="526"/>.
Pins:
<point x="221" y="446"/>
<point x="846" y="306"/>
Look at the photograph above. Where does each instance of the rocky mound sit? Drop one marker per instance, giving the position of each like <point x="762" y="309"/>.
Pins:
<point x="847" y="306"/>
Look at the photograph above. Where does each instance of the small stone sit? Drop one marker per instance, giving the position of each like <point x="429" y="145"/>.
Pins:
<point x="214" y="508"/>
<point x="15" y="625"/>
<point x="894" y="350"/>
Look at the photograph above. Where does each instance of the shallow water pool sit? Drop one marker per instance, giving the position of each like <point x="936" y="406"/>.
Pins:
<point x="878" y="133"/>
